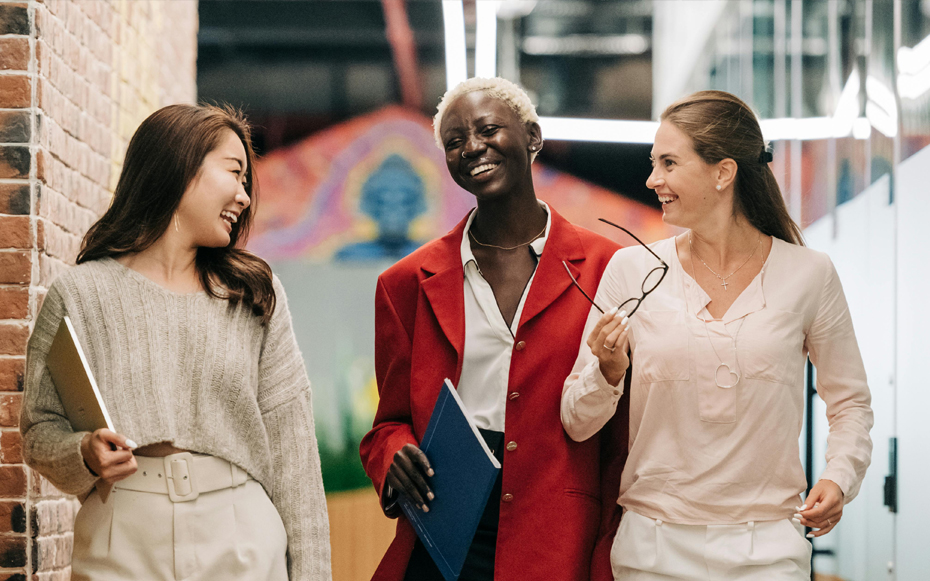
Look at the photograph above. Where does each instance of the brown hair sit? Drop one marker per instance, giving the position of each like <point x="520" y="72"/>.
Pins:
<point x="721" y="126"/>
<point x="163" y="158"/>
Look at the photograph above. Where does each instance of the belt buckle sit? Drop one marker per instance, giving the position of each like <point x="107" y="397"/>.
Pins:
<point x="179" y="470"/>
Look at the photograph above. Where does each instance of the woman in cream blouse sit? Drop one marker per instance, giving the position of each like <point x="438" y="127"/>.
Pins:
<point x="712" y="486"/>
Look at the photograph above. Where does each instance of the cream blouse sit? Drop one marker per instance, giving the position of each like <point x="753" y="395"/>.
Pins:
<point x="702" y="454"/>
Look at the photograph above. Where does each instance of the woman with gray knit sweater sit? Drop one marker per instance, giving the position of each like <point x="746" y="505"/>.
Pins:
<point x="190" y="340"/>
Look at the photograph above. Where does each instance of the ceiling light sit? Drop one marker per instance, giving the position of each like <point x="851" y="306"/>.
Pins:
<point x="453" y="16"/>
<point x="486" y="38"/>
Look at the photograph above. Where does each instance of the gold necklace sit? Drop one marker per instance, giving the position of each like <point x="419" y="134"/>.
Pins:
<point x="479" y="243"/>
<point x="722" y="278"/>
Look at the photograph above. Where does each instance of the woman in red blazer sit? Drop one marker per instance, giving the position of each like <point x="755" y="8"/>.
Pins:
<point x="489" y="306"/>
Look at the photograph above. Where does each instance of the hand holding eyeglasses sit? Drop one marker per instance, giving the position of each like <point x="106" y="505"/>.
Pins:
<point x="609" y="342"/>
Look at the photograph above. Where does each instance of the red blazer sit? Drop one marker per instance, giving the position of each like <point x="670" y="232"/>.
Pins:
<point x="564" y="493"/>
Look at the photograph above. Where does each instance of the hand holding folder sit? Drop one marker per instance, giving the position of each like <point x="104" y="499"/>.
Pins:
<point x="464" y="474"/>
<point x="85" y="408"/>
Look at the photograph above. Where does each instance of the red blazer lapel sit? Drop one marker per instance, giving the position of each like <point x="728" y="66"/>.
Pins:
<point x="551" y="279"/>
<point x="444" y="286"/>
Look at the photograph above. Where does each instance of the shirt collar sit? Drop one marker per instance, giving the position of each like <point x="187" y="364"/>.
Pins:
<point x="536" y="245"/>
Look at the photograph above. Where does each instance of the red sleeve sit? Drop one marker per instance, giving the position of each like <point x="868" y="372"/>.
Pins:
<point x="392" y="427"/>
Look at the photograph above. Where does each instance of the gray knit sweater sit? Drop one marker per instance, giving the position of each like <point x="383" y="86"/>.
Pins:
<point x="190" y="370"/>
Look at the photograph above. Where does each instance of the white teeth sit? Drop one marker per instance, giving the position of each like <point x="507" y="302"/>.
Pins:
<point x="483" y="168"/>
<point x="666" y="199"/>
<point x="229" y="216"/>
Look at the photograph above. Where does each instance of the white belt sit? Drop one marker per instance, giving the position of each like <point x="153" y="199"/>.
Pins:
<point x="184" y="476"/>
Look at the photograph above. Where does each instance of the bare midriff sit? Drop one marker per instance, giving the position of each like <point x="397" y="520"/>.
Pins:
<point x="158" y="450"/>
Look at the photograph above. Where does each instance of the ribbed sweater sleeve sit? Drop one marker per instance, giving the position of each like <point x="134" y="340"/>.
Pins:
<point x="284" y="399"/>
<point x="50" y="445"/>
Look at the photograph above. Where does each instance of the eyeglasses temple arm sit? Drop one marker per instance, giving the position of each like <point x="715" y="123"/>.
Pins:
<point x="634" y="238"/>
<point x="578" y="286"/>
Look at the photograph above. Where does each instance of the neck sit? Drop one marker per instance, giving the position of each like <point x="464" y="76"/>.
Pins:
<point x="169" y="259"/>
<point x="509" y="220"/>
<point x="725" y="241"/>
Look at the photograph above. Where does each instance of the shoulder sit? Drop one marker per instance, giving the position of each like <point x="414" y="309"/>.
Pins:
<point x="803" y="261"/>
<point x="595" y="245"/>
<point x="406" y="273"/>
<point x="75" y="280"/>
<point x="637" y="257"/>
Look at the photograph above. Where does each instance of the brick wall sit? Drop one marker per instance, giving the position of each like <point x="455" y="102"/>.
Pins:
<point x="76" y="79"/>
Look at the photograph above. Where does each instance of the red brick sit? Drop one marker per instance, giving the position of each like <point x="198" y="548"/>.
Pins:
<point x="15" y="267"/>
<point x="40" y="234"/>
<point x="12" y="517"/>
<point x="14" y="54"/>
<point x="14" y="199"/>
<point x="11" y="403"/>
<point x="13" y="338"/>
<point x="11" y="449"/>
<point x="15" y="91"/>
<point x="14" y="302"/>
<point x="12" y="484"/>
<point x="15" y="232"/>
<point x="15" y="160"/>
<point x="12" y="551"/>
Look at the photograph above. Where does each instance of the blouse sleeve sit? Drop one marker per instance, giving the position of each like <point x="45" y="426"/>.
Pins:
<point x="287" y="412"/>
<point x="588" y="400"/>
<point x="50" y="444"/>
<point x="841" y="383"/>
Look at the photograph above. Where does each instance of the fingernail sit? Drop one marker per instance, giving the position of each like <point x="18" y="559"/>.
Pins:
<point x="809" y="535"/>
<point x="803" y="508"/>
<point x="425" y="508"/>
<point x="613" y="310"/>
<point x="430" y="495"/>
<point x="796" y="521"/>
<point x="625" y="319"/>
<point x="430" y="472"/>
<point x="799" y="515"/>
<point x="132" y="445"/>
<point x="623" y="313"/>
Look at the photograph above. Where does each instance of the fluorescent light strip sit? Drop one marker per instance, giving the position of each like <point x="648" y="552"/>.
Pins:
<point x="606" y="130"/>
<point x="486" y="38"/>
<point x="453" y="16"/>
<point x="912" y="60"/>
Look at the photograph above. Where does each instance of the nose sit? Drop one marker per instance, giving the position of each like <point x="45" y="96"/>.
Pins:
<point x="472" y="147"/>
<point x="243" y="199"/>
<point x="654" y="181"/>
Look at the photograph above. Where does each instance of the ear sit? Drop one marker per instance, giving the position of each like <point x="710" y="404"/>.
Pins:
<point x="726" y="173"/>
<point x="535" y="133"/>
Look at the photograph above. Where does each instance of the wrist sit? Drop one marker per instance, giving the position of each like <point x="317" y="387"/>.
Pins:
<point x="613" y="374"/>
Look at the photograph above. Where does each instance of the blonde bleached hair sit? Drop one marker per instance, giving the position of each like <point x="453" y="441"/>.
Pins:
<point x="507" y="91"/>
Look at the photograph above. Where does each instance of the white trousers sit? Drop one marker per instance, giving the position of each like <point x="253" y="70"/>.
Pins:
<point x="651" y="550"/>
<point x="229" y="534"/>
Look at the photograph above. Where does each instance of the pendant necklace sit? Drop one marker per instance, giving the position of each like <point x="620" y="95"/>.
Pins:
<point x="722" y="278"/>
<point x="707" y="332"/>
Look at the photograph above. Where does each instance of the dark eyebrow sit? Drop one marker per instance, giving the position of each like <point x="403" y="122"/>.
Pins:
<point x="663" y="156"/>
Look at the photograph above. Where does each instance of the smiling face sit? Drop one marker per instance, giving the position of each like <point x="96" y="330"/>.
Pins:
<point x="216" y="197"/>
<point x="487" y="145"/>
<point x="685" y="184"/>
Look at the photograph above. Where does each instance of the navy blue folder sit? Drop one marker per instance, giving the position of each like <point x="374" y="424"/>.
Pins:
<point x="464" y="474"/>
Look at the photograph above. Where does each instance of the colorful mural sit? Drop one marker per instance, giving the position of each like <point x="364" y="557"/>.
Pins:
<point x="338" y="208"/>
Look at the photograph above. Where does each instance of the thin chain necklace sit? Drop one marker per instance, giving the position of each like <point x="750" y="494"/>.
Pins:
<point x="722" y="278"/>
<point x="738" y="373"/>
<point x="530" y="241"/>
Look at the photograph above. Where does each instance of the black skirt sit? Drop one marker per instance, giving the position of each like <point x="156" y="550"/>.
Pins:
<point x="479" y="564"/>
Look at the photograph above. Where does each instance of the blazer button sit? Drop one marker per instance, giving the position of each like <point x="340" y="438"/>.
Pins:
<point x="511" y="446"/>
<point x="514" y="395"/>
<point x="507" y="497"/>
<point x="521" y="345"/>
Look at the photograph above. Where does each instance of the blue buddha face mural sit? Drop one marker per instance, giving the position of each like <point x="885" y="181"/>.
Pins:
<point x="393" y="196"/>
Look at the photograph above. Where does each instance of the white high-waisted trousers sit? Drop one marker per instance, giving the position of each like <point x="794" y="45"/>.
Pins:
<point x="229" y="534"/>
<point x="650" y="550"/>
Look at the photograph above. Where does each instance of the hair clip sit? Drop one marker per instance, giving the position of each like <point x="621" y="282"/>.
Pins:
<point x="765" y="156"/>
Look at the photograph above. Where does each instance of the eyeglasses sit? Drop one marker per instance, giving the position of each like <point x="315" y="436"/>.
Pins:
<point x="650" y="283"/>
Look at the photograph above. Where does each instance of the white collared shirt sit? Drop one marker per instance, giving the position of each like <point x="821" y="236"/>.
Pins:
<point x="489" y="342"/>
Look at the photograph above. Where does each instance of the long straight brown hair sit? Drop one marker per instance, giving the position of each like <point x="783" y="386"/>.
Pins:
<point x="163" y="158"/>
<point x="721" y="126"/>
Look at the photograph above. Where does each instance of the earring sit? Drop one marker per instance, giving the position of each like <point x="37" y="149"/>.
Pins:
<point x="176" y="227"/>
<point x="463" y="155"/>
<point x="532" y="148"/>
<point x="719" y="187"/>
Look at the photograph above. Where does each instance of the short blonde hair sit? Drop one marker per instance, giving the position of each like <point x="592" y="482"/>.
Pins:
<point x="507" y="91"/>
